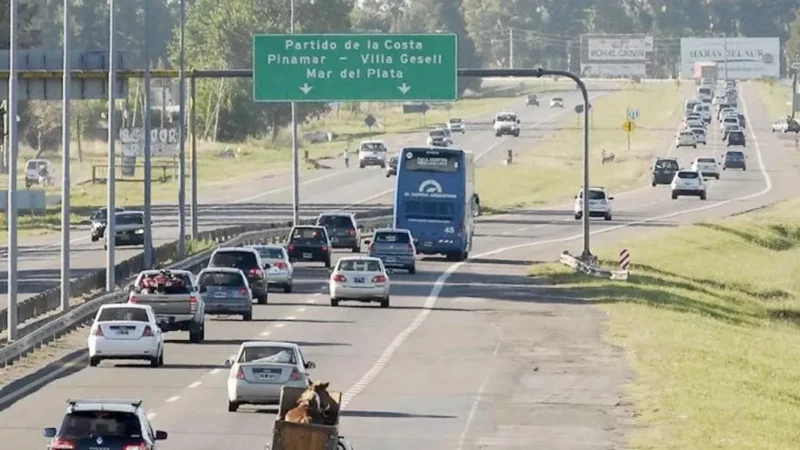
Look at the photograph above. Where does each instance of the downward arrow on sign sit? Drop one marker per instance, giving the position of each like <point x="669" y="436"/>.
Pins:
<point x="306" y="88"/>
<point x="404" y="88"/>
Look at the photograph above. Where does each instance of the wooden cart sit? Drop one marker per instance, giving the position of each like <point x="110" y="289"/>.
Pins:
<point x="295" y="436"/>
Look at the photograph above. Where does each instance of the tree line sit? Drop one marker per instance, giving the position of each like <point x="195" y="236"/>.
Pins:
<point x="218" y="35"/>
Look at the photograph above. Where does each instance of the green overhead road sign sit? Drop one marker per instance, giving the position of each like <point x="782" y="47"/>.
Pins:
<point x="355" y="67"/>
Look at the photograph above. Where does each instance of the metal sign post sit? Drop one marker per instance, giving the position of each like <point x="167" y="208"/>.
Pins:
<point x="13" y="149"/>
<point x="111" y="231"/>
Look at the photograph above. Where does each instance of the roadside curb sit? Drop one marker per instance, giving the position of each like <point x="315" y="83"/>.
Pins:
<point x="20" y="388"/>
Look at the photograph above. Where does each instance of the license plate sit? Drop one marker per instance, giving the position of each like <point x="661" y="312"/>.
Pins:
<point x="268" y="376"/>
<point x="358" y="279"/>
<point x="307" y="255"/>
<point x="162" y="319"/>
<point x="334" y="239"/>
<point x="390" y="259"/>
<point x="123" y="332"/>
<point x="428" y="244"/>
<point x="219" y="294"/>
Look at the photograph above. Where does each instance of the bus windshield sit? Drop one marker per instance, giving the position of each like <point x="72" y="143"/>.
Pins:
<point x="430" y="161"/>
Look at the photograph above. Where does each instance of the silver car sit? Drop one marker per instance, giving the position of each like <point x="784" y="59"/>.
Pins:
<point x="261" y="368"/>
<point x="395" y="247"/>
<point x="281" y="270"/>
<point x="128" y="229"/>
<point x="225" y="290"/>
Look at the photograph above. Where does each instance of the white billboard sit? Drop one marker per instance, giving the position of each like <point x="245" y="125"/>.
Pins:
<point x="635" y="48"/>
<point x="163" y="141"/>
<point x="618" y="70"/>
<point x="747" y="58"/>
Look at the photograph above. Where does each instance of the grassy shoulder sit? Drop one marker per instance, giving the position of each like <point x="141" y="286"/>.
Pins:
<point x="711" y="318"/>
<point x="551" y="171"/>
<point x="777" y="98"/>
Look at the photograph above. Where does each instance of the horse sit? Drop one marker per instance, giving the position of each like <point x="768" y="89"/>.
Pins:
<point x="329" y="408"/>
<point x="307" y="409"/>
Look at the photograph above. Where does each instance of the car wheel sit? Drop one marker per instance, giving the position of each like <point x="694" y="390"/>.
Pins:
<point x="703" y="196"/>
<point x="654" y="184"/>
<point x="195" y="334"/>
<point x="334" y="302"/>
<point x="387" y="175"/>
<point x="94" y="361"/>
<point x="327" y="263"/>
<point x="287" y="289"/>
<point x="154" y="361"/>
<point x="724" y="168"/>
<point x="412" y="270"/>
<point x="608" y="217"/>
<point x="262" y="299"/>
<point x="161" y="358"/>
<point x="95" y="238"/>
<point x="385" y="302"/>
<point x="744" y="168"/>
<point x="248" y="316"/>
<point x="578" y="216"/>
<point x="357" y="249"/>
<point x="674" y="196"/>
<point x="232" y="406"/>
<point x="694" y="146"/>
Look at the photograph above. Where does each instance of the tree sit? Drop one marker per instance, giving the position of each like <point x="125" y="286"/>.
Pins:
<point x="793" y="44"/>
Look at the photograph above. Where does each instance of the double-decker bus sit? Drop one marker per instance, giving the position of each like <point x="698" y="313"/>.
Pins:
<point x="435" y="200"/>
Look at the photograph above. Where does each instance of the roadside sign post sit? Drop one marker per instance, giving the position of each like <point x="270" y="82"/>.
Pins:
<point x="628" y="127"/>
<point x="355" y="67"/>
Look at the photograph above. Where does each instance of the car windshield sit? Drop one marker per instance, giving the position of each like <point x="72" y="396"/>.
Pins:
<point x="102" y="213"/>
<point x="737" y="134"/>
<point x="686" y="133"/>
<point x="706" y="160"/>
<point x="89" y="424"/>
<point x="698" y="130"/>
<point x="356" y="265"/>
<point x="734" y="155"/>
<point x="688" y="175"/>
<point x="129" y="219"/>
<point x="392" y="238"/>
<point x="221" y="279"/>
<point x="270" y="252"/>
<point x="506" y="118"/>
<point x="129" y="314"/>
<point x="335" y="221"/>
<point x="558" y="99"/>
<point x="38" y="165"/>
<point x="308" y="233"/>
<point x="237" y="259"/>
<point x="436" y="133"/>
<point x="279" y="355"/>
<point x="595" y="195"/>
<point x="667" y="164"/>
<point x="373" y="147"/>
<point x="455" y="120"/>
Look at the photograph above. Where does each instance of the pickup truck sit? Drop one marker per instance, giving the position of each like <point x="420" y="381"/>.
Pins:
<point x="175" y="299"/>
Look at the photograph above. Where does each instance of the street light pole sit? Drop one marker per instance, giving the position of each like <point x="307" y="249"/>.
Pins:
<point x="13" y="154"/>
<point x="148" y="163"/>
<point x="110" y="234"/>
<point x="65" y="169"/>
<point x="181" y="138"/>
<point x="295" y="156"/>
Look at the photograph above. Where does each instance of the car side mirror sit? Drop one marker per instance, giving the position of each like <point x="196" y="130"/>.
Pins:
<point x="49" y="432"/>
<point x="367" y="241"/>
<point x="311" y="365"/>
<point x="611" y="198"/>
<point x="228" y="363"/>
<point x="161" y="435"/>
<point x="266" y="266"/>
<point x="518" y="121"/>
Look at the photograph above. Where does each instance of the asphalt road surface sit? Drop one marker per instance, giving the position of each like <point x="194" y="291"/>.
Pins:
<point x="470" y="356"/>
<point x="269" y="198"/>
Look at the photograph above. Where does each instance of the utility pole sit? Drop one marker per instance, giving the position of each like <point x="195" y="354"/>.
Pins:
<point x="510" y="48"/>
<point x="13" y="149"/>
<point x="111" y="232"/>
<point x="148" y="125"/>
<point x="65" y="153"/>
<point x="181" y="137"/>
<point x="725" y="50"/>
<point x="295" y="156"/>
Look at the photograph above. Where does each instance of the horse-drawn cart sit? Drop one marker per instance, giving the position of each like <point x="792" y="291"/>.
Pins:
<point x="298" y="436"/>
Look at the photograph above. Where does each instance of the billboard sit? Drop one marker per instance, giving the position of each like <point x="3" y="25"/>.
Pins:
<point x="747" y="58"/>
<point x="616" y="55"/>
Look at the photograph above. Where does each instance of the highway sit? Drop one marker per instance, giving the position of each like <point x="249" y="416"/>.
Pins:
<point x="269" y="198"/>
<point x="471" y="355"/>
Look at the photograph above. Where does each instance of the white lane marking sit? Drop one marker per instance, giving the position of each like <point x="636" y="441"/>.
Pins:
<point x="311" y="300"/>
<point x="215" y="371"/>
<point x="430" y="302"/>
<point x="173" y="399"/>
<point x="195" y="384"/>
<point x="280" y="325"/>
<point x="151" y="415"/>
<point x="265" y="334"/>
<point x="320" y="293"/>
<point x="474" y="409"/>
<point x="290" y="318"/>
<point x="301" y="309"/>
<point x="522" y="229"/>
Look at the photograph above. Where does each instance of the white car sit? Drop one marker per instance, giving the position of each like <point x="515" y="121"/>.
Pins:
<point x="126" y="331"/>
<point x="362" y="279"/>
<point x="456" y="126"/>
<point x="506" y="123"/>
<point x="699" y="134"/>
<point x="729" y="121"/>
<point x="438" y="138"/>
<point x="692" y="123"/>
<point x="39" y="171"/>
<point x="599" y="204"/>
<point x="280" y="270"/>
<point x="261" y="368"/>
<point x="707" y="165"/>
<point x="372" y="153"/>
<point x="685" y="139"/>
<point x="556" y="102"/>
<point x="688" y="182"/>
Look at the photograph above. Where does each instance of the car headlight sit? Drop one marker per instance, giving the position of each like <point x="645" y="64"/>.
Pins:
<point x="139" y="231"/>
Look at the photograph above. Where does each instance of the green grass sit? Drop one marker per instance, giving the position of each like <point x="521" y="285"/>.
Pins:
<point x="711" y="319"/>
<point x="776" y="97"/>
<point x="552" y="170"/>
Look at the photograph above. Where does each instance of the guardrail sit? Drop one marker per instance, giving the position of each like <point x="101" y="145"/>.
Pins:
<point x="592" y="269"/>
<point x="85" y="312"/>
<point x="50" y="299"/>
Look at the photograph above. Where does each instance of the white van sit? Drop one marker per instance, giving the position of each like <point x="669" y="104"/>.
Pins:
<point x="372" y="153"/>
<point x="39" y="171"/>
<point x="704" y="110"/>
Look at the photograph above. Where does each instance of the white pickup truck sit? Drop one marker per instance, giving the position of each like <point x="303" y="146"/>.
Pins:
<point x="175" y="299"/>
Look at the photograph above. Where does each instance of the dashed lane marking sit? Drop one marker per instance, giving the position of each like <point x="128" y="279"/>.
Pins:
<point x="195" y="384"/>
<point x="301" y="309"/>
<point x="173" y="399"/>
<point x="280" y="325"/>
<point x="265" y="334"/>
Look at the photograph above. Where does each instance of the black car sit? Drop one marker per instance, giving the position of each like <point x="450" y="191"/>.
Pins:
<point x="99" y="220"/>
<point x="391" y="168"/>
<point x="742" y="121"/>
<point x="532" y="99"/>
<point x="309" y="243"/>
<point x="664" y="170"/>
<point x="104" y="424"/>
<point x="734" y="160"/>
<point x="736" y="138"/>
<point x="248" y="260"/>
<point x="342" y="229"/>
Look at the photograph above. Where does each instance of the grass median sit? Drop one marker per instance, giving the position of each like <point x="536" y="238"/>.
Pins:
<point x="551" y="169"/>
<point x="776" y="96"/>
<point x="711" y="318"/>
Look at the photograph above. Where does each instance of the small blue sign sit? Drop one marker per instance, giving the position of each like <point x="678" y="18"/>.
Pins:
<point x="633" y="114"/>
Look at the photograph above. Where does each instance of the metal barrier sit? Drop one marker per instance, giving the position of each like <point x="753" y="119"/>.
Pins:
<point x="592" y="269"/>
<point x="50" y="299"/>
<point x="86" y="311"/>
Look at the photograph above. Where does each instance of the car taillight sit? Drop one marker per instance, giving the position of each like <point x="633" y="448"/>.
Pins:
<point x="325" y="248"/>
<point x="132" y="299"/>
<point x="281" y="265"/>
<point x="192" y="299"/>
<point x="63" y="444"/>
<point x="255" y="272"/>
<point x="379" y="279"/>
<point x="147" y="331"/>
<point x="339" y="278"/>
<point x="372" y="247"/>
<point x="243" y="291"/>
<point x="98" y="331"/>
<point x="291" y="247"/>
<point x="240" y="374"/>
<point x="410" y="248"/>
<point x="139" y="446"/>
<point x="296" y="375"/>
